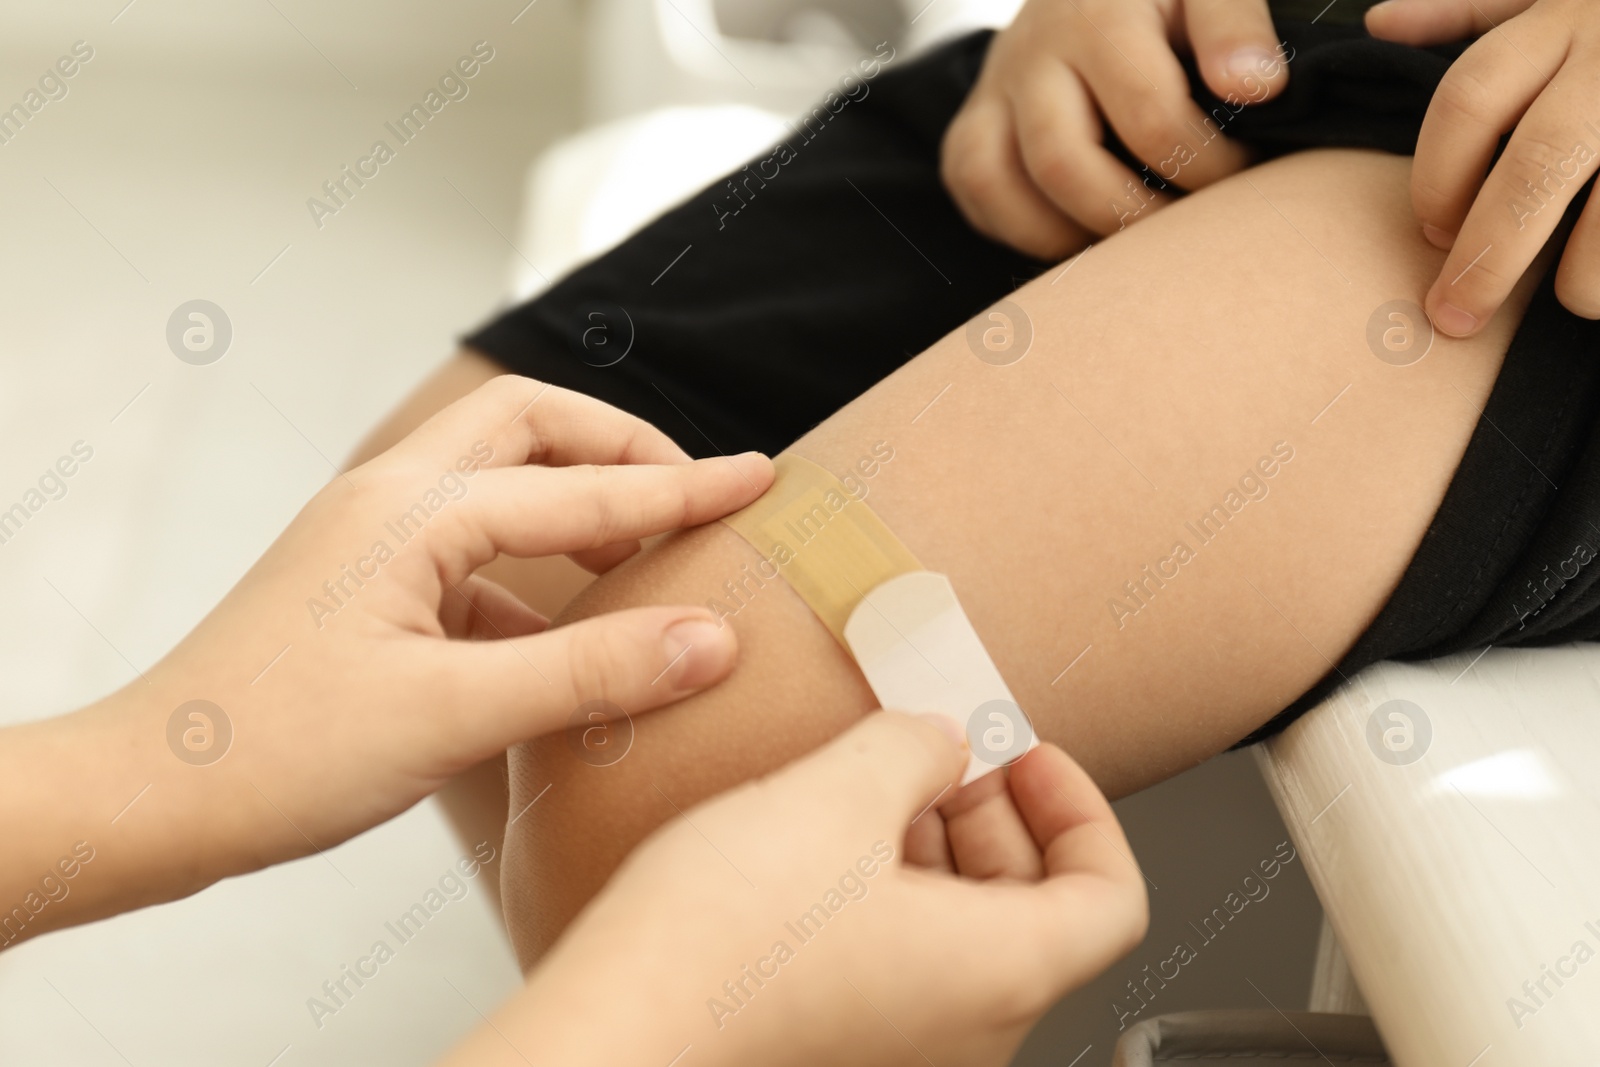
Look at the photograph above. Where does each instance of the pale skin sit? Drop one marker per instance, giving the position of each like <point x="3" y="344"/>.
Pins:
<point x="1027" y="485"/>
<point x="426" y="668"/>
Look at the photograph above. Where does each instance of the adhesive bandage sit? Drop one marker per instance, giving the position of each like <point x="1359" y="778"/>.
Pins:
<point x="903" y="624"/>
<point x="823" y="539"/>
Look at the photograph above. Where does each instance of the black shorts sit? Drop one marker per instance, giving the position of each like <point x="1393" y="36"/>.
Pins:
<point x="768" y="301"/>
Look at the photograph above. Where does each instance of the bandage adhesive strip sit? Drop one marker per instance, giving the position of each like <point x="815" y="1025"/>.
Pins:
<point x="903" y="624"/>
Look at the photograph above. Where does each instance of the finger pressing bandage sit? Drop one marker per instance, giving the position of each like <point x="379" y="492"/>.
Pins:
<point x="903" y="624"/>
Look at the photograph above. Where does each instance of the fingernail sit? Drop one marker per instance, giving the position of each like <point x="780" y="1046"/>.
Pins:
<point x="1453" y="321"/>
<point x="1438" y="238"/>
<point x="698" y="652"/>
<point x="1250" y="60"/>
<point x="947" y="726"/>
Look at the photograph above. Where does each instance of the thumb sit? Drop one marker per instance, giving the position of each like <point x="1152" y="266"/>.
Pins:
<point x="1421" y="23"/>
<point x="1236" y="48"/>
<point x="884" y="770"/>
<point x="633" y="661"/>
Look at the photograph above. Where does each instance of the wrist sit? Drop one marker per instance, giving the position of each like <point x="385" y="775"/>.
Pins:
<point x="551" y="1019"/>
<point x="100" y="818"/>
<point x="184" y="795"/>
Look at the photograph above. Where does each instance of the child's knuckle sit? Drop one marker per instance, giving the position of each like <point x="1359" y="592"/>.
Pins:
<point x="1464" y="95"/>
<point x="1056" y="169"/>
<point x="593" y="663"/>
<point x="1531" y="155"/>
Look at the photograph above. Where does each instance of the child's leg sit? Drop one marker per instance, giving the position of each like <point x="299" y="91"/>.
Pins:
<point x="1164" y="365"/>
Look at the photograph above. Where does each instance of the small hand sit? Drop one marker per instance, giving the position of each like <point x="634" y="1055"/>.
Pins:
<point x="782" y="922"/>
<point x="402" y="665"/>
<point x="1024" y="158"/>
<point x="1535" y="70"/>
<point x="362" y="662"/>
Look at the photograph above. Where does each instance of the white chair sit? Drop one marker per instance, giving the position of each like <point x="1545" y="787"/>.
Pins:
<point x="1448" y="814"/>
<point x="683" y="91"/>
<point x="779" y="55"/>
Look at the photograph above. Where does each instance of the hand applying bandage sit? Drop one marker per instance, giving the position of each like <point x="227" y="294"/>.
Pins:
<point x="788" y="921"/>
<point x="362" y="662"/>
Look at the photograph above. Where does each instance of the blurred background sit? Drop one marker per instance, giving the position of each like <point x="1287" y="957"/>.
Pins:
<point x="176" y="165"/>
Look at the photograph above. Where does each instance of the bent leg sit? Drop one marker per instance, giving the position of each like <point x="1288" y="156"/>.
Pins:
<point x="1200" y="380"/>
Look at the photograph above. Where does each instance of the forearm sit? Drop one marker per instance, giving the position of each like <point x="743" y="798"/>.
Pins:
<point x="100" y="817"/>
